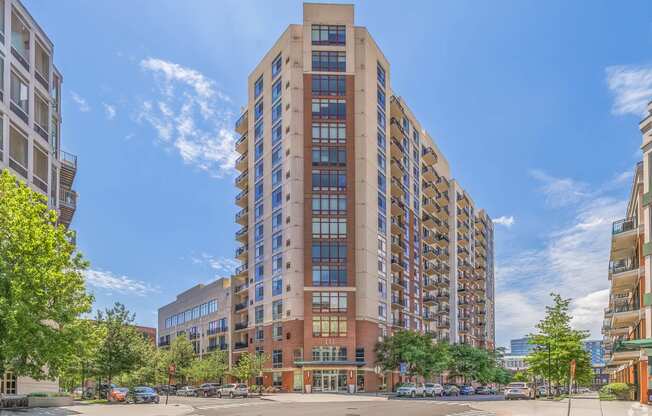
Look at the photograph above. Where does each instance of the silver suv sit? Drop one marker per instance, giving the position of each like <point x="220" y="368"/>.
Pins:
<point x="519" y="391"/>
<point x="233" y="390"/>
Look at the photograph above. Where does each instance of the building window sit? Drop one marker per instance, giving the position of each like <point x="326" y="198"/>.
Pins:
<point x="329" y="326"/>
<point x="258" y="211"/>
<point x="258" y="87"/>
<point x="260" y="272"/>
<point x="258" y="190"/>
<point x="277" y="359"/>
<point x="326" y="353"/>
<point x="277" y="197"/>
<point x="277" y="309"/>
<point x="329" y="252"/>
<point x="329" y="204"/>
<point x="259" y="314"/>
<point x="277" y="263"/>
<point x="20" y="38"/>
<point x="382" y="311"/>
<point x="260" y="334"/>
<point x="328" y="34"/>
<point x="18" y="148"/>
<point x="329" y="228"/>
<point x="277" y="112"/>
<point x="258" y="232"/>
<point x="329" y="108"/>
<point x="277" y="65"/>
<point x="260" y="292"/>
<point x="277" y="331"/>
<point x="277" y="133"/>
<point x="259" y="131"/>
<point x="258" y="110"/>
<point x="258" y="150"/>
<point x="381" y="99"/>
<point x="328" y="180"/>
<point x="359" y="354"/>
<point x="277" y="286"/>
<point x="328" y="156"/>
<point x="19" y="93"/>
<point x="277" y="155"/>
<point x="277" y="220"/>
<point x="277" y="242"/>
<point x="258" y="170"/>
<point x="329" y="133"/>
<point x="380" y="74"/>
<point x="330" y="61"/>
<point x="328" y="85"/>
<point x="277" y="90"/>
<point x="329" y="302"/>
<point x="329" y="275"/>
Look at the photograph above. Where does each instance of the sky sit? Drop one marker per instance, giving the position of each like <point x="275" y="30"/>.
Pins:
<point x="535" y="105"/>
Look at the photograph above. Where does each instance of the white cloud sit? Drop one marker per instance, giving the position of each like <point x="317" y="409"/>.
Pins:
<point x="572" y="260"/>
<point x="80" y="101"/>
<point x="109" y="111"/>
<point x="632" y="88"/>
<point x="504" y="220"/>
<point x="223" y="266"/>
<point x="122" y="284"/>
<point x="191" y="115"/>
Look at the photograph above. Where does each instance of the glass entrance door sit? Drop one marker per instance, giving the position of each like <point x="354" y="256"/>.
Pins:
<point x="329" y="380"/>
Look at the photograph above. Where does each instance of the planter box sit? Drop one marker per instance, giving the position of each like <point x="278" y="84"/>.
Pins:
<point x="49" y="401"/>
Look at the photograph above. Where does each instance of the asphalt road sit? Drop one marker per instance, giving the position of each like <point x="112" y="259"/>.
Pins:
<point x="257" y="407"/>
<point x="461" y="398"/>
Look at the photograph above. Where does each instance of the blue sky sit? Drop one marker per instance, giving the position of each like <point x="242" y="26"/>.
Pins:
<point x="535" y="104"/>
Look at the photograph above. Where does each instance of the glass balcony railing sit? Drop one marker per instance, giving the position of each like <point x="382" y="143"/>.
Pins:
<point x="623" y="265"/>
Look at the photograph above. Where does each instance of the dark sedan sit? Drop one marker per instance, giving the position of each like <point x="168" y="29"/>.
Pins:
<point x="144" y="395"/>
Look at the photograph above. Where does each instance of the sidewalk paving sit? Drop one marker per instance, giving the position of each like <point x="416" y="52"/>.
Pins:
<point x="104" y="410"/>
<point x="580" y="406"/>
<point x="321" y="398"/>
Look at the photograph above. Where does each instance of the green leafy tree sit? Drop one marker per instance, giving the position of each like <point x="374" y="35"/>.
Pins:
<point x="521" y="376"/>
<point x="122" y="348"/>
<point x="80" y="365"/>
<point x="470" y="363"/>
<point x="42" y="291"/>
<point x="249" y="366"/>
<point x="557" y="344"/>
<point x="210" y="368"/>
<point x="182" y="355"/>
<point x="417" y="351"/>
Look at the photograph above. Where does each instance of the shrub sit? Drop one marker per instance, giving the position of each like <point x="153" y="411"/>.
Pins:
<point x="38" y="394"/>
<point x="620" y="390"/>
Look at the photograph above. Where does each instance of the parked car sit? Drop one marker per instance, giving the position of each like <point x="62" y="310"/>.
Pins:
<point x="105" y="389"/>
<point x="118" y="394"/>
<point x="542" y="391"/>
<point x="233" y="390"/>
<point x="187" y="391"/>
<point x="433" y="389"/>
<point x="209" y="389"/>
<point x="485" y="390"/>
<point x="519" y="391"/>
<point x="451" y="390"/>
<point x="467" y="390"/>
<point x="411" y="390"/>
<point x="143" y="395"/>
<point x="166" y="389"/>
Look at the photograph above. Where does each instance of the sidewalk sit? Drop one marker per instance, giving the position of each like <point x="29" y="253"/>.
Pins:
<point x="104" y="410"/>
<point x="321" y="398"/>
<point x="580" y="406"/>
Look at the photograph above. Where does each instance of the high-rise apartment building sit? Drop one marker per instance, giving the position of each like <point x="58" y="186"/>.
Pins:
<point x="520" y="346"/>
<point x="627" y="325"/>
<point x="352" y="224"/>
<point x="30" y="120"/>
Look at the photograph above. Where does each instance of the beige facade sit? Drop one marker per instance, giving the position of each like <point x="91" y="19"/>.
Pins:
<point x="352" y="224"/>
<point x="627" y="319"/>
<point x="30" y="120"/>
<point x="201" y="313"/>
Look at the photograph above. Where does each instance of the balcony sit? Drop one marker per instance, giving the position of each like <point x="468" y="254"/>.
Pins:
<point x="429" y="252"/>
<point x="68" y="168"/>
<point x="215" y="347"/>
<point x="241" y="124"/>
<point x="442" y="295"/>
<point x="623" y="226"/>
<point x="443" y="310"/>
<point x="242" y="180"/>
<point x="429" y="283"/>
<point x="242" y="216"/>
<point x="242" y="162"/>
<point x="626" y="316"/>
<point x="428" y="220"/>
<point x="397" y="168"/>
<point x="216" y="330"/>
<point x="67" y="205"/>
<point x="428" y="189"/>
<point x="430" y="206"/>
<point x="239" y="345"/>
<point x="398" y="282"/>
<point x="242" y="270"/>
<point x="444" y="324"/>
<point x="242" y="253"/>
<point x="239" y="307"/>
<point x="397" y="188"/>
<point x="242" y="199"/>
<point x="164" y="343"/>
<point x="241" y="144"/>
<point x="429" y="300"/>
<point x="624" y="273"/>
<point x="398" y="265"/>
<point x="241" y="326"/>
<point x="398" y="302"/>
<point x="428" y="173"/>
<point x="396" y="148"/>
<point x="624" y="235"/>
<point x="428" y="155"/>
<point x="242" y="235"/>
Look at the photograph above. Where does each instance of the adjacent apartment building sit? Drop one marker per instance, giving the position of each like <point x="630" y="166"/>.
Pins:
<point x="202" y="314"/>
<point x="30" y="120"/>
<point x="352" y="225"/>
<point x="627" y="319"/>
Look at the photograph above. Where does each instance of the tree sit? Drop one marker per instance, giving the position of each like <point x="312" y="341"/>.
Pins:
<point x="521" y="376"/>
<point x="152" y="371"/>
<point x="80" y="365"/>
<point x="417" y="351"/>
<point x="211" y="367"/>
<point x="557" y="344"/>
<point x="42" y="291"/>
<point x="249" y="366"/>
<point x="182" y="355"/>
<point x="122" y="348"/>
<point x="470" y="363"/>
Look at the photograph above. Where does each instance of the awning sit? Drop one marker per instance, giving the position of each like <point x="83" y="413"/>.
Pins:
<point x="330" y="363"/>
<point x="637" y="343"/>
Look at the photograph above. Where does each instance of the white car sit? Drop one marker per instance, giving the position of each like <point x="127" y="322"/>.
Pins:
<point x="233" y="390"/>
<point x="411" y="390"/>
<point x="519" y="391"/>
<point x="433" y="389"/>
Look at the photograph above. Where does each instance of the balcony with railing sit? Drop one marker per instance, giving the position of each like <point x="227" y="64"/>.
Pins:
<point x="68" y="168"/>
<point x="240" y="326"/>
<point x="242" y="199"/>
<point x="241" y="144"/>
<point x="242" y="269"/>
<point x="242" y="216"/>
<point x="241" y="234"/>
<point x="242" y="122"/>
<point x="624" y="225"/>
<point x="239" y="345"/>
<point x="428" y="155"/>
<point x="623" y="265"/>
<point x="242" y="180"/>
<point x="242" y="162"/>
<point x="238" y="307"/>
<point x="242" y="252"/>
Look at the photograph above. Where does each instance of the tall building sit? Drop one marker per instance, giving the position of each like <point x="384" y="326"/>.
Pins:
<point x="357" y="226"/>
<point x="594" y="347"/>
<point x="627" y="319"/>
<point x="30" y="120"/>
<point x="201" y="313"/>
<point x="520" y="346"/>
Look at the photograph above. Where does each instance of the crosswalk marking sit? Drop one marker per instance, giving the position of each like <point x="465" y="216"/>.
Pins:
<point x="473" y="413"/>
<point x="229" y="405"/>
